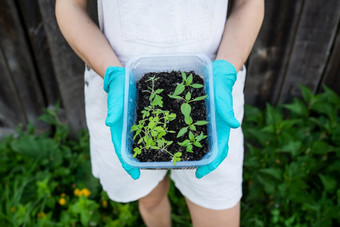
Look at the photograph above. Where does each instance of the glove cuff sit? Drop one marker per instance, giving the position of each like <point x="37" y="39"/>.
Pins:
<point x="110" y="74"/>
<point x="222" y="67"/>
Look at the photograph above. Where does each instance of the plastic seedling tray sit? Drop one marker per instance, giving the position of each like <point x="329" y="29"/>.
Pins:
<point x="135" y="69"/>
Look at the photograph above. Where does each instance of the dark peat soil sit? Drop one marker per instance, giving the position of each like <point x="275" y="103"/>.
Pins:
<point x="168" y="82"/>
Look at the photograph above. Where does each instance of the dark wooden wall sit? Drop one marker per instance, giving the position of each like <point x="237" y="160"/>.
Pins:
<point x="299" y="42"/>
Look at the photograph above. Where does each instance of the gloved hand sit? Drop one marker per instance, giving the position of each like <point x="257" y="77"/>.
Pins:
<point x="224" y="74"/>
<point x="114" y="85"/>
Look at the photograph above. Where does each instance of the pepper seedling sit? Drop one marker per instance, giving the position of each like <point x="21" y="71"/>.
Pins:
<point x="194" y="138"/>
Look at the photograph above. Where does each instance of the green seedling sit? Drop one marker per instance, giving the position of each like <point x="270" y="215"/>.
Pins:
<point x="192" y="141"/>
<point x="187" y="82"/>
<point x="150" y="131"/>
<point x="155" y="98"/>
<point x="194" y="138"/>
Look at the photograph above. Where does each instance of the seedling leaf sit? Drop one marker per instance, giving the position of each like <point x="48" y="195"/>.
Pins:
<point x="184" y="76"/>
<point x="137" y="151"/>
<point x="199" y="98"/>
<point x="175" y="96"/>
<point x="192" y="127"/>
<point x="197" y="144"/>
<point x="160" y="143"/>
<point x="151" y="96"/>
<point x="191" y="136"/>
<point x="140" y="140"/>
<point x="172" y="116"/>
<point x="137" y="133"/>
<point x="188" y="120"/>
<point x="155" y="148"/>
<point x="184" y="143"/>
<point x="200" y="137"/>
<point x="159" y="129"/>
<point x="178" y="154"/>
<point x="188" y="96"/>
<point x="197" y="85"/>
<point x="189" y="148"/>
<point x="176" y="157"/>
<point x="185" y="109"/>
<point x="189" y="80"/>
<point x="158" y="91"/>
<point x="157" y="101"/>
<point x="134" y="128"/>
<point x="201" y="122"/>
<point x="179" y="89"/>
<point x="154" y="133"/>
<point x="182" y="132"/>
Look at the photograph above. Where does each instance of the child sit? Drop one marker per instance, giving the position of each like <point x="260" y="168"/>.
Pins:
<point x="128" y="28"/>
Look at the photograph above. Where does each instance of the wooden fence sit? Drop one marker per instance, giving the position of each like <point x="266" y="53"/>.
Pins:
<point x="299" y="42"/>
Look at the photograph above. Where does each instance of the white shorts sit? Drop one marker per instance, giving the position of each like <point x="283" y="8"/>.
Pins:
<point x="221" y="189"/>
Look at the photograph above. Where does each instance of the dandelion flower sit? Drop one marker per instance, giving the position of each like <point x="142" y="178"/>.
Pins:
<point x="85" y="192"/>
<point x="62" y="201"/>
<point x="76" y="192"/>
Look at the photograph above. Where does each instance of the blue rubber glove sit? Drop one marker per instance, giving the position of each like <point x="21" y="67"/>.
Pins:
<point x="224" y="78"/>
<point x="114" y="85"/>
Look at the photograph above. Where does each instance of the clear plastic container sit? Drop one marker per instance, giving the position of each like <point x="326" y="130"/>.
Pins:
<point x="135" y="69"/>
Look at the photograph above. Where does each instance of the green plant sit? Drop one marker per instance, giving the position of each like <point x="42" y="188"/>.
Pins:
<point x="194" y="137"/>
<point x="291" y="171"/>
<point x="46" y="180"/>
<point x="152" y="128"/>
<point x="41" y="175"/>
<point x="291" y="167"/>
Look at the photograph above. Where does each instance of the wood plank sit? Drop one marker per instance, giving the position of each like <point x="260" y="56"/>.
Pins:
<point x="315" y="36"/>
<point x="18" y="59"/>
<point x="11" y="109"/>
<point x="69" y="69"/>
<point x="33" y="25"/>
<point x="331" y="77"/>
<point x="270" y="55"/>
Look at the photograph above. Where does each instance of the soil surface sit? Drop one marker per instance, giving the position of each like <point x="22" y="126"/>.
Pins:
<point x="168" y="82"/>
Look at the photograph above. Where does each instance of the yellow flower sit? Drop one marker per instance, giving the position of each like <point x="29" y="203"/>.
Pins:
<point x="63" y="195"/>
<point x="104" y="203"/>
<point x="41" y="214"/>
<point x="85" y="192"/>
<point x="76" y="192"/>
<point x="62" y="201"/>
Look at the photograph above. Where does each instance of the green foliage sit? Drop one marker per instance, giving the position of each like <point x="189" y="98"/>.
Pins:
<point x="194" y="136"/>
<point x="291" y="168"/>
<point x="291" y="172"/>
<point x="150" y="131"/>
<point x="46" y="180"/>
